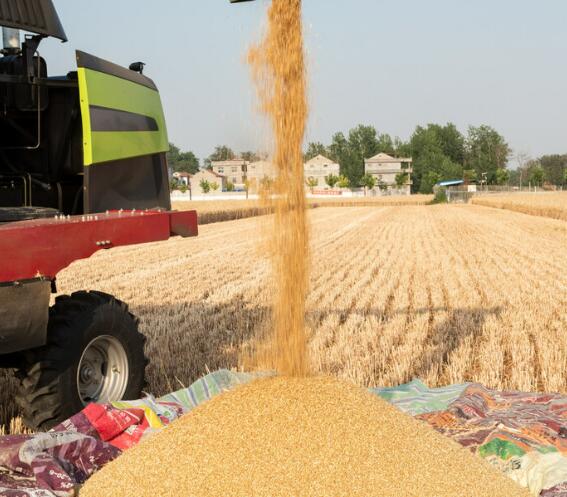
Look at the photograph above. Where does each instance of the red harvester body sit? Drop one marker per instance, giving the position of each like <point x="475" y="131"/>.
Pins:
<point x="40" y="248"/>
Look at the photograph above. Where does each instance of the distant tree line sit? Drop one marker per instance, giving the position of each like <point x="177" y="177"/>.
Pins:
<point x="547" y="169"/>
<point x="439" y="152"/>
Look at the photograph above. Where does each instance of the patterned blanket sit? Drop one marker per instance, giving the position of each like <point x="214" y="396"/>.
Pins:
<point x="524" y="435"/>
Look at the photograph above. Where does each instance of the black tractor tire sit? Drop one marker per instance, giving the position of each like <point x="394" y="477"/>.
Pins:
<point x="50" y="380"/>
<point x="12" y="214"/>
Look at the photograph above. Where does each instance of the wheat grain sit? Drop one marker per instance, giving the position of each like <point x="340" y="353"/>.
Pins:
<point x="288" y="437"/>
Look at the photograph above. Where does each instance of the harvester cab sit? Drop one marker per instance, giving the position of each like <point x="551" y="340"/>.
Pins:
<point x="82" y="168"/>
<point x="90" y="141"/>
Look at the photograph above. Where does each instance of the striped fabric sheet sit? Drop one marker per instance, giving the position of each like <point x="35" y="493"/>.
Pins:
<point x="416" y="398"/>
<point x="207" y="387"/>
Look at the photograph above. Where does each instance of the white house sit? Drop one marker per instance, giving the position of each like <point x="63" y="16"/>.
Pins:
<point x="182" y="178"/>
<point x="260" y="171"/>
<point x="320" y="167"/>
<point x="212" y="178"/>
<point x="235" y="170"/>
<point x="386" y="168"/>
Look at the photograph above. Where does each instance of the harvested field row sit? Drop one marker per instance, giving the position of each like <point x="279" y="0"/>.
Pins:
<point x="215" y="211"/>
<point x="230" y="210"/>
<point x="395" y="200"/>
<point x="444" y="293"/>
<point x="553" y="205"/>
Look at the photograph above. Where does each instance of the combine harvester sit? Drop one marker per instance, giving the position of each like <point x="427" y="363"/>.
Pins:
<point x="82" y="168"/>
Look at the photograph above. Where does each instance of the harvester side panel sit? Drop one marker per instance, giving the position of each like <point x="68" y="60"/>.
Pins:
<point x="124" y="138"/>
<point x="122" y="118"/>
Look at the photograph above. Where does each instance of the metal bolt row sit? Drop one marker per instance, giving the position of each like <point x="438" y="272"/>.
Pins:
<point x="62" y="217"/>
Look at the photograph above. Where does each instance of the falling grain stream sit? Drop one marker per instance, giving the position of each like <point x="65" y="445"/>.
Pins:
<point x="278" y="68"/>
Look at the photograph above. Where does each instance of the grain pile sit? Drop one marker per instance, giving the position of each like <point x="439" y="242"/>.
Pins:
<point x="278" y="68"/>
<point x="288" y="437"/>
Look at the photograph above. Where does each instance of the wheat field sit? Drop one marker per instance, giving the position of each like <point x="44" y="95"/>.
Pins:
<point x="214" y="211"/>
<point x="445" y="293"/>
<point x="553" y="205"/>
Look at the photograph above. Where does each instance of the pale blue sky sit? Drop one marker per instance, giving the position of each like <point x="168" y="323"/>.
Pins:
<point x="390" y="64"/>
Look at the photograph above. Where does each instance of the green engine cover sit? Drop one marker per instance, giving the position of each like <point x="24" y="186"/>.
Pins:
<point x="121" y="111"/>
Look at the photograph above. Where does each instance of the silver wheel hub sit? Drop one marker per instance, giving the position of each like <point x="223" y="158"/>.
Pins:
<point x="102" y="375"/>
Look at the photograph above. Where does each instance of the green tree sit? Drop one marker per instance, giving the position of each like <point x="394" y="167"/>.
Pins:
<point x="311" y="183"/>
<point x="332" y="180"/>
<point x="440" y="195"/>
<point x="428" y="181"/>
<point x="502" y="176"/>
<point x="437" y="153"/>
<point x="486" y="151"/>
<point x="565" y="177"/>
<point x="452" y="142"/>
<point x="172" y="153"/>
<point x="222" y="152"/>
<point x="368" y="182"/>
<point x="362" y="143"/>
<point x="554" y="167"/>
<point x="385" y="145"/>
<point x="343" y="182"/>
<point x="229" y="186"/>
<point x="469" y="176"/>
<point x="314" y="149"/>
<point x="205" y="186"/>
<point x="250" y="156"/>
<point x="341" y="153"/>
<point x="514" y="177"/>
<point x="182" y="161"/>
<point x="401" y="148"/>
<point x="537" y="175"/>
<point x="338" y="147"/>
<point x="434" y="166"/>
<point x="214" y="186"/>
<point x="401" y="179"/>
